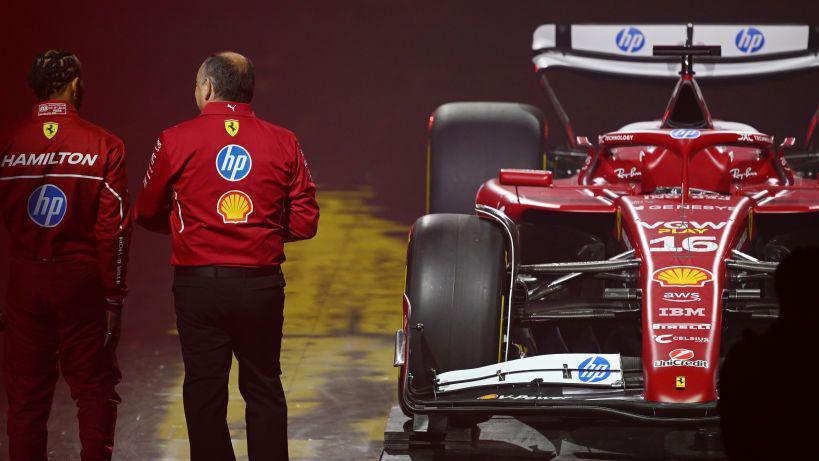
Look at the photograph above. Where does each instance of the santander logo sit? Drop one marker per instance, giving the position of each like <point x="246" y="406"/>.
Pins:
<point x="681" y="354"/>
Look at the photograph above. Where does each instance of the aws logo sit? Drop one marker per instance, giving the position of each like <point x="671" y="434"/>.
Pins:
<point x="681" y="297"/>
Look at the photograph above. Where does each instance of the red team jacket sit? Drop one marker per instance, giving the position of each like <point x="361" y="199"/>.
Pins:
<point x="230" y="188"/>
<point x="64" y="193"/>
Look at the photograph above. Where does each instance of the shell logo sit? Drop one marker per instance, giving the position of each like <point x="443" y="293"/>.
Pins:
<point x="682" y="276"/>
<point x="234" y="207"/>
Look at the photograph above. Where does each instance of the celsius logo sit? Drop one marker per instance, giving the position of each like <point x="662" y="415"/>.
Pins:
<point x="749" y="40"/>
<point x="683" y="133"/>
<point x="233" y="162"/>
<point x="47" y="205"/>
<point x="630" y="40"/>
<point x="594" y="369"/>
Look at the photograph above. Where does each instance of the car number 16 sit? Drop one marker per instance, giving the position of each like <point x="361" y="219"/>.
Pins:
<point x="698" y="244"/>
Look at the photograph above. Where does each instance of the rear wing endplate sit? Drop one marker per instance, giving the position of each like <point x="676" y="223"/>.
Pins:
<point x="626" y="49"/>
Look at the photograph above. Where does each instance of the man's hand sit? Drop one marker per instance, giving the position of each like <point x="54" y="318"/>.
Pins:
<point x="114" y="330"/>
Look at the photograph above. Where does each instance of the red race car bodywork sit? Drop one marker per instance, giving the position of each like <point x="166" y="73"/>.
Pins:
<point x="695" y="211"/>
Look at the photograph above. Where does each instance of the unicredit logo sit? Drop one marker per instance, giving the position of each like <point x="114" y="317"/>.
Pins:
<point x="681" y="354"/>
<point x="681" y="358"/>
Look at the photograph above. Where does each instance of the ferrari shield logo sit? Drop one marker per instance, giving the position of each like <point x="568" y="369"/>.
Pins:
<point x="680" y="383"/>
<point x="232" y="127"/>
<point x="50" y="129"/>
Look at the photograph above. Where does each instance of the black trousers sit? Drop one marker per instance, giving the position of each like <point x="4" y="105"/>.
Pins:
<point x="223" y="312"/>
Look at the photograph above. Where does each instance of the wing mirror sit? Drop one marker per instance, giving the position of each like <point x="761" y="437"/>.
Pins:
<point x="536" y="178"/>
<point x="787" y="143"/>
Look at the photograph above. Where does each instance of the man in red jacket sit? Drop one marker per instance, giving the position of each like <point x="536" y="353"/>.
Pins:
<point x="64" y="201"/>
<point x="231" y="189"/>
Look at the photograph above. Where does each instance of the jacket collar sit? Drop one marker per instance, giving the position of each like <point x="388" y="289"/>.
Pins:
<point x="53" y="107"/>
<point x="227" y="108"/>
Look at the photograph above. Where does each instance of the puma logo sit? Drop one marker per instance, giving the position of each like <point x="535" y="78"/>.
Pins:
<point x="232" y="107"/>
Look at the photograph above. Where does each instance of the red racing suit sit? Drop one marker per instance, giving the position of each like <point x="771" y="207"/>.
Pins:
<point x="64" y="201"/>
<point x="230" y="188"/>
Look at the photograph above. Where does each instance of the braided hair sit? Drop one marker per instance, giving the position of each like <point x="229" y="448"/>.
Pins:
<point x="51" y="71"/>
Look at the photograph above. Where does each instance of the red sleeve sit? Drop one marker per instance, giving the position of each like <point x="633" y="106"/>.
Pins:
<point x="113" y="228"/>
<point x="302" y="209"/>
<point x="154" y="205"/>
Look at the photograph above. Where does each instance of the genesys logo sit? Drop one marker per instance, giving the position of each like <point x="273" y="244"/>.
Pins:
<point x="681" y="326"/>
<point x="749" y="40"/>
<point x="630" y="40"/>
<point x="682" y="312"/>
<point x="681" y="358"/>
<point x="680" y="297"/>
<point x="670" y="338"/>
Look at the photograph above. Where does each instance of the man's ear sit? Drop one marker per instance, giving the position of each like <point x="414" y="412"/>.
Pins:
<point x="74" y="85"/>
<point x="209" y="91"/>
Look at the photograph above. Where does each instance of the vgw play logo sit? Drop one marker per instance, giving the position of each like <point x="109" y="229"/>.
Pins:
<point x="749" y="40"/>
<point x="47" y="205"/>
<point x="630" y="40"/>
<point x="233" y="162"/>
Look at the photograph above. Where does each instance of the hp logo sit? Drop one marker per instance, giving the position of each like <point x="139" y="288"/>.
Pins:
<point x="47" y="206"/>
<point x="750" y="40"/>
<point x="594" y="369"/>
<point x="685" y="134"/>
<point x="233" y="162"/>
<point x="630" y="40"/>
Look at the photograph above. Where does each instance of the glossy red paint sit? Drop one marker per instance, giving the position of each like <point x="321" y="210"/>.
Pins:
<point x="685" y="197"/>
<point x="537" y="178"/>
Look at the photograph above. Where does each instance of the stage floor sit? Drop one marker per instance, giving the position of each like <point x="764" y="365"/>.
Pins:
<point x="343" y="304"/>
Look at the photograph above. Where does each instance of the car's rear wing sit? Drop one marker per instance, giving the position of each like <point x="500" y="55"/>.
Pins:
<point x="626" y="49"/>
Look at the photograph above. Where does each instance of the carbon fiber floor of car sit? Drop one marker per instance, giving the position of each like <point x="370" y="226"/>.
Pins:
<point x="509" y="439"/>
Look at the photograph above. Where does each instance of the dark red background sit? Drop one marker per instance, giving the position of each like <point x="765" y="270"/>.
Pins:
<point x="356" y="80"/>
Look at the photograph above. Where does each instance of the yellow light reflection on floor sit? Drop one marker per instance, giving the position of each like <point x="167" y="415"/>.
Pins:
<point x="343" y="302"/>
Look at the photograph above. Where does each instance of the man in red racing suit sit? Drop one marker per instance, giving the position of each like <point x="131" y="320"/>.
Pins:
<point x="64" y="201"/>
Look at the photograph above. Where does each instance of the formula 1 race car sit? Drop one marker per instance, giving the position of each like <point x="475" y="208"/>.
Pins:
<point x="611" y="294"/>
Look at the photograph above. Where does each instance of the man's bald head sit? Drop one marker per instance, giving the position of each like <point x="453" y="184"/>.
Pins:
<point x="231" y="76"/>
